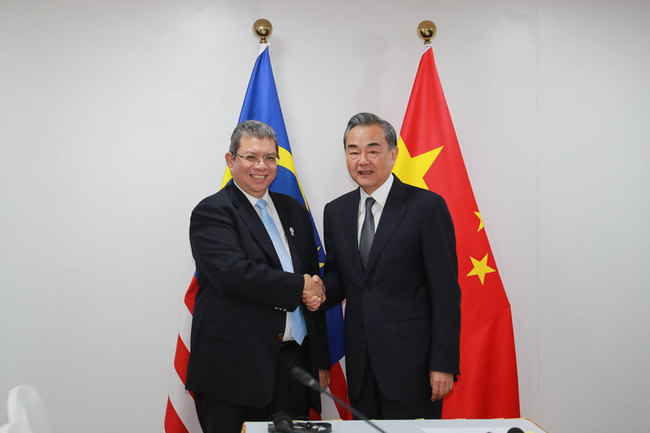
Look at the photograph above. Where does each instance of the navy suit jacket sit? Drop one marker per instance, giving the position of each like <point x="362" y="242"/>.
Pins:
<point x="243" y="296"/>
<point x="405" y="307"/>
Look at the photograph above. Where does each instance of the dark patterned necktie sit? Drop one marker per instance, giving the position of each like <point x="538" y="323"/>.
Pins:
<point x="367" y="232"/>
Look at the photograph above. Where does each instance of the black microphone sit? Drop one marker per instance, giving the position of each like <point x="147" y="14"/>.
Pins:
<point x="306" y="379"/>
<point x="515" y="430"/>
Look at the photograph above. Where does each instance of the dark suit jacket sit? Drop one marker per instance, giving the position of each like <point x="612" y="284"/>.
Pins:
<point x="405" y="307"/>
<point x="240" y="308"/>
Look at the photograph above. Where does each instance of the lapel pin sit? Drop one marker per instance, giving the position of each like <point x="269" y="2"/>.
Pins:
<point x="291" y="231"/>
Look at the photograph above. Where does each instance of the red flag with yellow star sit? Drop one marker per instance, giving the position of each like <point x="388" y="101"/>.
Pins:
<point x="429" y="157"/>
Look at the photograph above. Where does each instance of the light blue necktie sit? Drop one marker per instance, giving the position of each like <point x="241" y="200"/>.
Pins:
<point x="298" y="329"/>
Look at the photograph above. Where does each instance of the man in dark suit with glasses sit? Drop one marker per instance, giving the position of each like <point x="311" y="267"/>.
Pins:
<point x="255" y="256"/>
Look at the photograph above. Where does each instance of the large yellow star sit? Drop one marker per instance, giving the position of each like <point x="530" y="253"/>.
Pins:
<point x="480" y="268"/>
<point x="412" y="170"/>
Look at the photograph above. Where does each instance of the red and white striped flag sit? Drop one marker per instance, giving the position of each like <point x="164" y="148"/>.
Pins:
<point x="180" y="416"/>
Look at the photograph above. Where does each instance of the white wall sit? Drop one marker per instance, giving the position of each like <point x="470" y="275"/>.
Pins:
<point x="593" y="202"/>
<point x="115" y="115"/>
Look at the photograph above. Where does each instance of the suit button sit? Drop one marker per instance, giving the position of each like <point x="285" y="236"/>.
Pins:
<point x="280" y="337"/>
<point x="365" y="291"/>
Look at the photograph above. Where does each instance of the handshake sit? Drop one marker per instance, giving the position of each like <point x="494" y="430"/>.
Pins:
<point x="313" y="294"/>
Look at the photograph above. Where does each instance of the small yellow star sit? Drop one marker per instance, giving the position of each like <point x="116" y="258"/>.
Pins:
<point x="480" y="268"/>
<point x="480" y="224"/>
<point x="412" y="170"/>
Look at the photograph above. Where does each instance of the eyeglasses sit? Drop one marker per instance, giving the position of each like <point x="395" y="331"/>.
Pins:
<point x="268" y="160"/>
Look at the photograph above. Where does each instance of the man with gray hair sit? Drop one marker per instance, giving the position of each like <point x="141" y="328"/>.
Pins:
<point x="255" y="255"/>
<point x="391" y="254"/>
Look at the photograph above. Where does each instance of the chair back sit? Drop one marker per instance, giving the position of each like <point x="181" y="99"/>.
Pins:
<point x="15" y="427"/>
<point x="25" y="405"/>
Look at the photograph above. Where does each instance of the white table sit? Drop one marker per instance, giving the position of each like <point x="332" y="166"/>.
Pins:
<point x="422" y="426"/>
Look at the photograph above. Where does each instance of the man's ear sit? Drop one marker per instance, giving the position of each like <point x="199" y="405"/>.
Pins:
<point x="230" y="159"/>
<point x="393" y="154"/>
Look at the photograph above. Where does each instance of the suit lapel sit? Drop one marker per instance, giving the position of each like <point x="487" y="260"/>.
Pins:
<point x="252" y="220"/>
<point x="391" y="217"/>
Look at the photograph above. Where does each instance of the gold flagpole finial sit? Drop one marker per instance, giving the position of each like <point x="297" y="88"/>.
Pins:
<point x="262" y="29"/>
<point x="427" y="30"/>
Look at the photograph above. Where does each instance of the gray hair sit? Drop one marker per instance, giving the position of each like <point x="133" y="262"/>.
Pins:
<point x="251" y="128"/>
<point x="366" y="119"/>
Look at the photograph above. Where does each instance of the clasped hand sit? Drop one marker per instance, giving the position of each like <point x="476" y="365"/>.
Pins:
<point x="313" y="294"/>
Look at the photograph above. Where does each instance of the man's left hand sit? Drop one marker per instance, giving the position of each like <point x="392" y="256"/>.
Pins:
<point x="441" y="384"/>
<point x="324" y="378"/>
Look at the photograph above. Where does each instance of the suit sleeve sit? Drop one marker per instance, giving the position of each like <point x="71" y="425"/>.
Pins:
<point x="311" y="266"/>
<point x="216" y="237"/>
<point x="331" y="277"/>
<point x="441" y="267"/>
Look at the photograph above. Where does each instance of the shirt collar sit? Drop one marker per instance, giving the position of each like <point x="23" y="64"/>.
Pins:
<point x="254" y="200"/>
<point x="380" y="195"/>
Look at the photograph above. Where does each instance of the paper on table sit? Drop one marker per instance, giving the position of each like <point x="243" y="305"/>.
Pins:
<point x="464" y="430"/>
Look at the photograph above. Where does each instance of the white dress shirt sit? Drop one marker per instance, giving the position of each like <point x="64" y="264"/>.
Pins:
<point x="380" y="196"/>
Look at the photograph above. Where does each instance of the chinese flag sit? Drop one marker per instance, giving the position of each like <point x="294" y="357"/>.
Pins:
<point x="429" y="157"/>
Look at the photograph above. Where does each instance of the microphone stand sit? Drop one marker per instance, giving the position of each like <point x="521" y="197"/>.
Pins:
<point x="305" y="378"/>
